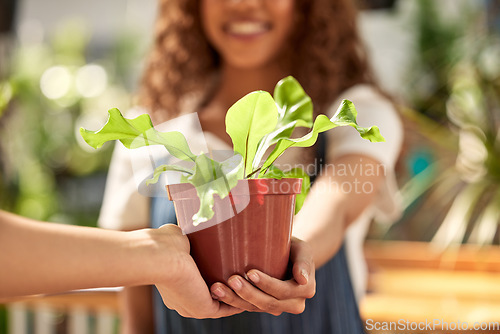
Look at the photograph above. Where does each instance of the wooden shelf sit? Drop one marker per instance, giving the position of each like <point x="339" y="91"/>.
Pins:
<point x="409" y="254"/>
<point x="416" y="282"/>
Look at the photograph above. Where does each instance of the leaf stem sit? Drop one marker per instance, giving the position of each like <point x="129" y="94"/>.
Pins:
<point x="252" y="173"/>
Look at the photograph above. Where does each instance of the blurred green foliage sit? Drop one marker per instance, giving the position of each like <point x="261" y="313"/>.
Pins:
<point x="3" y="319"/>
<point x="457" y="198"/>
<point x="53" y="88"/>
<point x="437" y="50"/>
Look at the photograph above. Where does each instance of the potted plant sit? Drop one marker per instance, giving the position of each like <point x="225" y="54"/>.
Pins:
<point x="237" y="213"/>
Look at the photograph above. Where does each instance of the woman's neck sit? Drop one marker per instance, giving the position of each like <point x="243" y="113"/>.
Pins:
<point x="236" y="82"/>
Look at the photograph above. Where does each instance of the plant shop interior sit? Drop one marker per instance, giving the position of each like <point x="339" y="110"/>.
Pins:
<point x="433" y="269"/>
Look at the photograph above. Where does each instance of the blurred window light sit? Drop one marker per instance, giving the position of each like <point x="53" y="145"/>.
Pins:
<point x="30" y="32"/>
<point x="56" y="82"/>
<point x="91" y="80"/>
<point x="488" y="61"/>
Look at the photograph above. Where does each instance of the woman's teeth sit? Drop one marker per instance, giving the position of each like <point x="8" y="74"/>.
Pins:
<point x="247" y="28"/>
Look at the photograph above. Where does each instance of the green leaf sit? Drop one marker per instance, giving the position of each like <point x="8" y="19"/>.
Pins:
<point x="295" y="173"/>
<point x="275" y="173"/>
<point x="294" y="109"/>
<point x="163" y="168"/>
<point x="206" y="182"/>
<point x="299" y="173"/>
<point x="293" y="103"/>
<point x="232" y="169"/>
<point x="6" y="94"/>
<point x="137" y="132"/>
<point x="213" y="178"/>
<point x="248" y="121"/>
<point x="486" y="225"/>
<point x="269" y="140"/>
<point x="345" y="116"/>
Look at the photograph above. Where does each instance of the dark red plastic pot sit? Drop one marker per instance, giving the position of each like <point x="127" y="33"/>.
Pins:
<point x="251" y="228"/>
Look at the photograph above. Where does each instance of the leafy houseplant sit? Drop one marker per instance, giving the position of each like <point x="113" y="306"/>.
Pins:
<point x="456" y="199"/>
<point x="256" y="124"/>
<point x="466" y="194"/>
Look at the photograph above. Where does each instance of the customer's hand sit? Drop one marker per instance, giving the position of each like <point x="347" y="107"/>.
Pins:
<point x="182" y="288"/>
<point x="271" y="295"/>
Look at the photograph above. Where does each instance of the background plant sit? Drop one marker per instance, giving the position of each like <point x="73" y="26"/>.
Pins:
<point x="455" y="198"/>
<point x="52" y="89"/>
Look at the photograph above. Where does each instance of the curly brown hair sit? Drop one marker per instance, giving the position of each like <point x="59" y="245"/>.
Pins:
<point x="328" y="56"/>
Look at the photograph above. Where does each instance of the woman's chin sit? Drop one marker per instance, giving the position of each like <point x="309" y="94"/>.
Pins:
<point x="249" y="61"/>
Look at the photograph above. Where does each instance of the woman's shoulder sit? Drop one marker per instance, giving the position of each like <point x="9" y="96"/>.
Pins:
<point x="365" y="96"/>
<point x="363" y="90"/>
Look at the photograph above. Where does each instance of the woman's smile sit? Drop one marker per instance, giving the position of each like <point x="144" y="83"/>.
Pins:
<point x="247" y="28"/>
<point x="248" y="34"/>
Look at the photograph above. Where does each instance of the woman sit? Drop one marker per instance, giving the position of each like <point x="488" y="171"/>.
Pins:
<point x="206" y="55"/>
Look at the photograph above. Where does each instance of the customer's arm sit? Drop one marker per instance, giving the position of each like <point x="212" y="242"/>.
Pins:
<point x="38" y="257"/>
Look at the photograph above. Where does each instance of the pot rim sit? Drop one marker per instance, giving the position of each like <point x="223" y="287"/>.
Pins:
<point x="245" y="187"/>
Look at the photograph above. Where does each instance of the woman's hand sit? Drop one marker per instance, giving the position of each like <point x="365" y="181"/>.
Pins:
<point x="271" y="295"/>
<point x="182" y="287"/>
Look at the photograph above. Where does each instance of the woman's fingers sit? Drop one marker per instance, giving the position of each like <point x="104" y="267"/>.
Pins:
<point x="263" y="293"/>
<point x="219" y="310"/>
<point x="247" y="296"/>
<point x="303" y="262"/>
<point x="224" y="294"/>
<point x="226" y="311"/>
<point x="201" y="307"/>
<point x="282" y="290"/>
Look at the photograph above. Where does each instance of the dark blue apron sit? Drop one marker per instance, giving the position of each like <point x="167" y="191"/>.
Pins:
<point x="332" y="310"/>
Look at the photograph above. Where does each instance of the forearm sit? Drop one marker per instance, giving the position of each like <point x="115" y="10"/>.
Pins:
<point x="45" y="257"/>
<point x="335" y="201"/>
<point x="321" y="222"/>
